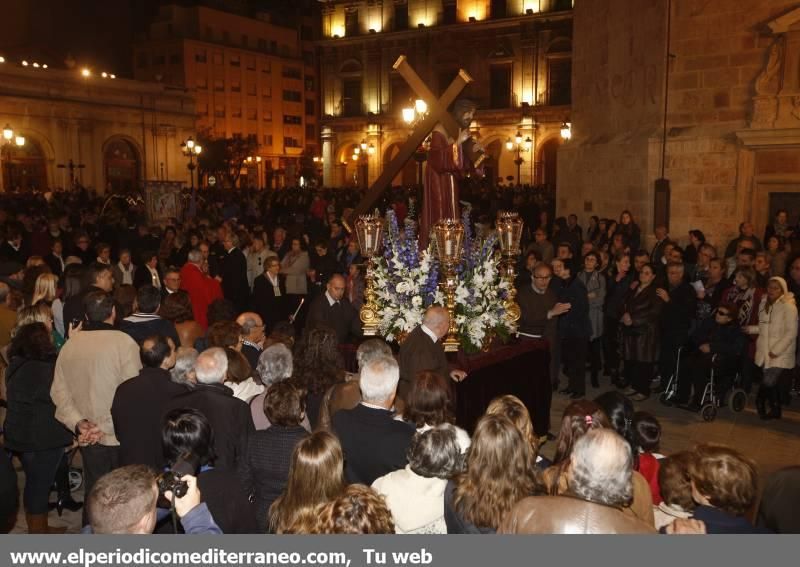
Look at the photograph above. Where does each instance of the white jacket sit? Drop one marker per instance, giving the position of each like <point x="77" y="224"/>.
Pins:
<point x="416" y="502"/>
<point x="777" y="333"/>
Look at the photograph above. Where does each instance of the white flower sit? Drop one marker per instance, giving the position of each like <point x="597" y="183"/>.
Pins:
<point x="416" y="301"/>
<point x="403" y="287"/>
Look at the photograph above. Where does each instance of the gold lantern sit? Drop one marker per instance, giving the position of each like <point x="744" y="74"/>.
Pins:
<point x="369" y="230"/>
<point x="449" y="239"/>
<point x="509" y="233"/>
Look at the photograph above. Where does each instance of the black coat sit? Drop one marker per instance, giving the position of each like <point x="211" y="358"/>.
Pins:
<point x="272" y="309"/>
<point x="374" y="443"/>
<point x="9" y="495"/>
<point x="229" y="416"/>
<point x="681" y="310"/>
<point x="146" y="325"/>
<point x="417" y="353"/>
<point x="233" y="270"/>
<point x="252" y="355"/>
<point x="54" y="264"/>
<point x="265" y="471"/>
<point x="616" y="291"/>
<point x="138" y="410"/>
<point x="227" y="500"/>
<point x="640" y="340"/>
<point x="343" y="318"/>
<point x="30" y="423"/>
<point x="74" y="308"/>
<point x="142" y="277"/>
<point x="8" y="254"/>
<point x="574" y="323"/>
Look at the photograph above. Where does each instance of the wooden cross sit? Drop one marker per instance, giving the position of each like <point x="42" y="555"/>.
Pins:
<point x="71" y="166"/>
<point x="437" y="112"/>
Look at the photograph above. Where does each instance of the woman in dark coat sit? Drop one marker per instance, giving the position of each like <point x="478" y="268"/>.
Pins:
<point x="31" y="429"/>
<point x="640" y="334"/>
<point x="629" y="230"/>
<point x="618" y="284"/>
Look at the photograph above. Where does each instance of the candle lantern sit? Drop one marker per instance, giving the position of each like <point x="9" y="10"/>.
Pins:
<point x="449" y="240"/>
<point x="369" y="231"/>
<point x="509" y="233"/>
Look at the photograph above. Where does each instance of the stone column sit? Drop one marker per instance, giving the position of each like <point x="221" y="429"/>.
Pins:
<point x="374" y="137"/>
<point x="328" y="156"/>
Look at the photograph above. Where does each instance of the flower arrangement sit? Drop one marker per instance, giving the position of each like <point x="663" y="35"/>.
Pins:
<point x="406" y="281"/>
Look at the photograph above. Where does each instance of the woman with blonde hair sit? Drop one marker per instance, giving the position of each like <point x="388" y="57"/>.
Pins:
<point x="39" y="313"/>
<point x="45" y="289"/>
<point x="513" y="408"/>
<point x="316" y="476"/>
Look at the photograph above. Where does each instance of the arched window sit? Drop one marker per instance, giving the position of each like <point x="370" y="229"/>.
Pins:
<point x="350" y="74"/>
<point x="24" y="166"/>
<point x="121" y="164"/>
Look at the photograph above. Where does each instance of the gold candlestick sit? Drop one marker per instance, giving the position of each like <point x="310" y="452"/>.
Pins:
<point x="509" y="233"/>
<point x="449" y="239"/>
<point x="369" y="230"/>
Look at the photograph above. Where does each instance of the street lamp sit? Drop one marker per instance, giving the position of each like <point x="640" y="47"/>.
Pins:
<point x="191" y="149"/>
<point x="519" y="145"/>
<point x="9" y="139"/>
<point x="412" y="114"/>
<point x="566" y="130"/>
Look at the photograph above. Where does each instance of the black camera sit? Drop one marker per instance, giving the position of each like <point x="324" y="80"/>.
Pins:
<point x="170" y="480"/>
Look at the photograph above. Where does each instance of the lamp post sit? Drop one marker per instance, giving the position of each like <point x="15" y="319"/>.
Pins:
<point x="9" y="139"/>
<point x="191" y="150"/>
<point x="519" y="145"/>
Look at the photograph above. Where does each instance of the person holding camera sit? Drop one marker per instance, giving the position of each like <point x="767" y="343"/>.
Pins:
<point x="124" y="502"/>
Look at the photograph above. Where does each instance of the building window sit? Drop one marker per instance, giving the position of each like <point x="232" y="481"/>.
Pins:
<point x="236" y="112"/>
<point x="292" y="96"/>
<point x="309" y="84"/>
<point x="311" y="132"/>
<point x="218" y="59"/>
<point x="351" y="97"/>
<point x="401" y="16"/>
<point x="267" y="139"/>
<point x="251" y="63"/>
<point x="235" y="61"/>
<point x="559" y="81"/>
<point x="449" y="12"/>
<point x="203" y="111"/>
<point x="252" y="114"/>
<point x="308" y="58"/>
<point x="251" y="89"/>
<point x="141" y="60"/>
<point x="267" y="92"/>
<point x="266" y="116"/>
<point x="267" y="67"/>
<point x="219" y="111"/>
<point x="311" y="109"/>
<point x="289" y="142"/>
<point x="292" y="73"/>
<point x="200" y="56"/>
<point x="175" y="59"/>
<point x="351" y="22"/>
<point x="201" y="83"/>
<point x="236" y="87"/>
<point x="500" y="86"/>
<point x="219" y="85"/>
<point x="292" y="119"/>
<point x="498" y="9"/>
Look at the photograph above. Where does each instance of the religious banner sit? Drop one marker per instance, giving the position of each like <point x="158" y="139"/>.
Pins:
<point x="163" y="200"/>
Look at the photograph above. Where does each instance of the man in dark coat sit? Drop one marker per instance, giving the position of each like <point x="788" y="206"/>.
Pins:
<point x="253" y="335"/>
<point x="138" y="406"/>
<point x="148" y="272"/>
<point x="323" y="266"/>
<point x="233" y="271"/>
<point x="146" y="322"/>
<point x="228" y="416"/>
<point x="269" y="295"/>
<point x="681" y="301"/>
<point x="574" y="330"/>
<point x="422" y="350"/>
<point x="332" y="309"/>
<point x="101" y="279"/>
<point x="374" y="443"/>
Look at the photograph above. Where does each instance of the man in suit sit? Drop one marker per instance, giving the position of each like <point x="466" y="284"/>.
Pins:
<point x="55" y="259"/>
<point x="146" y="322"/>
<point x="323" y="266"/>
<point x="374" y="443"/>
<point x="233" y="271"/>
<point x="423" y="351"/>
<point x="332" y="309"/>
<point x="203" y="290"/>
<point x="102" y="280"/>
<point x="228" y="416"/>
<point x="171" y="281"/>
<point x="676" y="319"/>
<point x="148" y="273"/>
<point x="662" y="237"/>
<point x="269" y="295"/>
<point x="253" y="334"/>
<point x="138" y="406"/>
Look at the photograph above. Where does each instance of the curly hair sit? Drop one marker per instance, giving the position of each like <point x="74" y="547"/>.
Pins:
<point x="500" y="472"/>
<point x="429" y="401"/>
<point x="728" y="479"/>
<point x="317" y="361"/>
<point x="513" y="408"/>
<point x="360" y="510"/>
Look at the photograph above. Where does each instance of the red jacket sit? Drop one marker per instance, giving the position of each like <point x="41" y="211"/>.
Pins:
<point x="648" y="468"/>
<point x="202" y="289"/>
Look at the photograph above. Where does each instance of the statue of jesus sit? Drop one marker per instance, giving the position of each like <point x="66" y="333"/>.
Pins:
<point x="447" y="164"/>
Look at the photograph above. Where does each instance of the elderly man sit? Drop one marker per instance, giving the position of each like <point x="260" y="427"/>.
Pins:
<point x="172" y="281"/>
<point x="600" y="486"/>
<point x="88" y="370"/>
<point x="257" y="255"/>
<point x="541" y="246"/>
<point x="746" y="232"/>
<point x="422" y="350"/>
<point x="228" y="416"/>
<point x="680" y="300"/>
<point x="374" y="443"/>
<point x="138" y="405"/>
<point x="202" y="289"/>
<point x="332" y="309"/>
<point x="102" y="279"/>
<point x="253" y="336"/>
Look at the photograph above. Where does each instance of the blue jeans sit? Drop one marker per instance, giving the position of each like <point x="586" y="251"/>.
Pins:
<point x="40" y="471"/>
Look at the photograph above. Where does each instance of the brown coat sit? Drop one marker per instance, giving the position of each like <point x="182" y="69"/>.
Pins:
<point x="417" y="353"/>
<point x="640" y="340"/>
<point x="568" y="515"/>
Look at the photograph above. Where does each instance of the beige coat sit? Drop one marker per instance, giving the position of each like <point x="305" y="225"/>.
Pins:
<point x="88" y="370"/>
<point x="296" y="273"/>
<point x="777" y="333"/>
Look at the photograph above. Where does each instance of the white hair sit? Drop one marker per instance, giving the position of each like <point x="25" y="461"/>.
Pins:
<point x="601" y="468"/>
<point x="184" y="363"/>
<point x="275" y="364"/>
<point x="379" y="378"/>
<point x="371" y="348"/>
<point x="195" y="256"/>
<point x="211" y="366"/>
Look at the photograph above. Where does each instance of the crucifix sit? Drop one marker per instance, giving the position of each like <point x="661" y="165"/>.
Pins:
<point x="437" y="114"/>
<point x="71" y="166"/>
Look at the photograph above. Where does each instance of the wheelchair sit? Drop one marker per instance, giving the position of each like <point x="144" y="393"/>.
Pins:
<point x="721" y="389"/>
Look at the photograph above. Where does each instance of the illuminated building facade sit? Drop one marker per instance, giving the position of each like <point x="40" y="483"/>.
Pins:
<point x="517" y="51"/>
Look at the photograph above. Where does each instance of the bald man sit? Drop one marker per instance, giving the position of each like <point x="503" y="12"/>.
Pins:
<point x="423" y="350"/>
<point x="253" y="335"/>
<point x="332" y="309"/>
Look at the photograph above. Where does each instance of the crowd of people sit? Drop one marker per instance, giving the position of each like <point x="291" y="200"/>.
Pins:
<point x="199" y="369"/>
